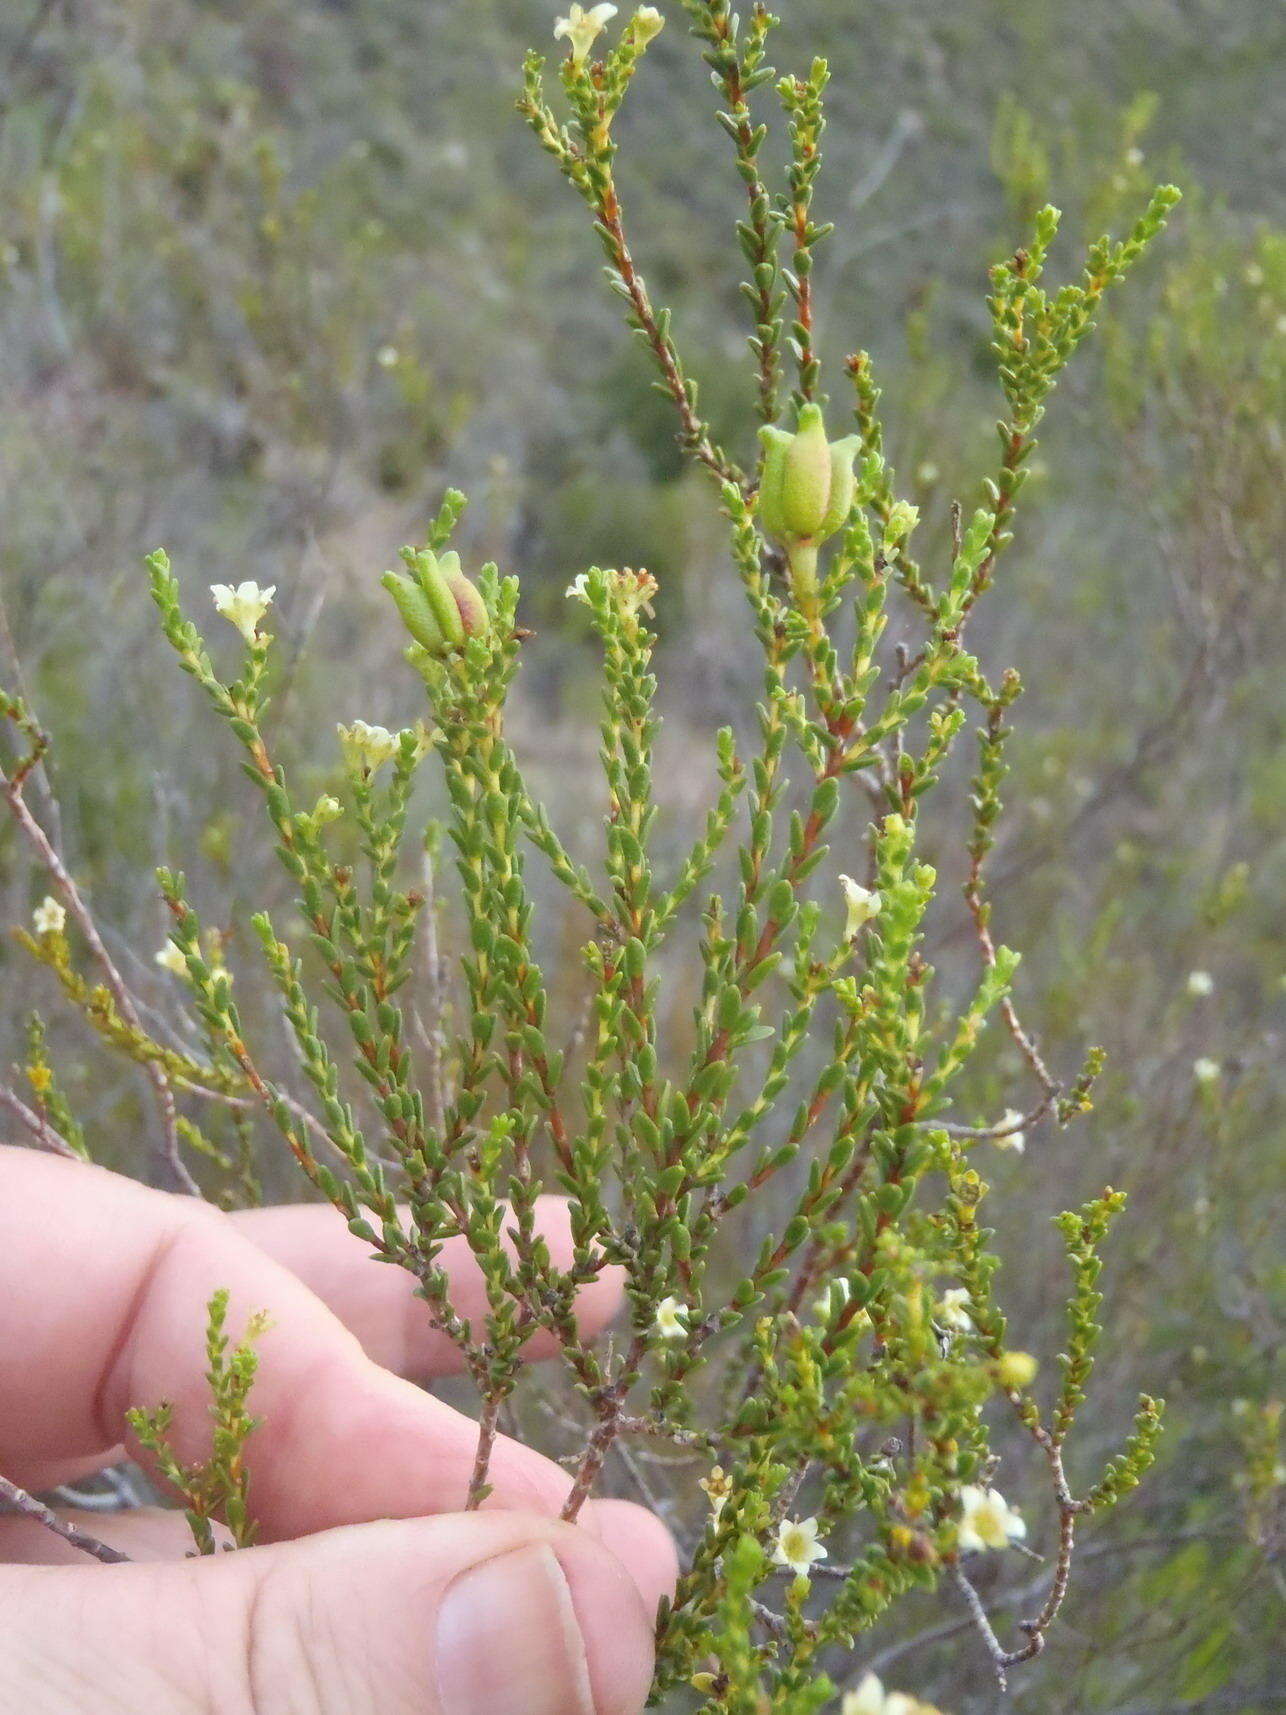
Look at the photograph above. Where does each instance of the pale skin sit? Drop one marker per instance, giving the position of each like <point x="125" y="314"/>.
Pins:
<point x="371" y="1593"/>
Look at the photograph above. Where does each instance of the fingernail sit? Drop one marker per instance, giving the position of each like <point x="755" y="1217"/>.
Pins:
<point x="509" y="1642"/>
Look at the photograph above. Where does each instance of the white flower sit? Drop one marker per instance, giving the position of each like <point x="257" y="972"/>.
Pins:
<point x="718" y="1486"/>
<point x="578" y="589"/>
<point x="797" y="1545"/>
<point x="671" y="1323"/>
<point x="952" y="1311"/>
<point x="367" y="747"/>
<point x="634" y="591"/>
<point x="170" y="959"/>
<point x="583" y="28"/>
<point x="1200" y="984"/>
<point x="244" y="606"/>
<point x="1206" y="1071"/>
<point x="388" y="357"/>
<point x="868" y="1699"/>
<point x="987" y="1520"/>
<point x="1013" y="1136"/>
<point x="860" y="903"/>
<point x="647" y="24"/>
<point x="49" y="917"/>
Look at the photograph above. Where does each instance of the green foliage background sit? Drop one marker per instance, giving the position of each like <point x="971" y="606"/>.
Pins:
<point x="274" y="272"/>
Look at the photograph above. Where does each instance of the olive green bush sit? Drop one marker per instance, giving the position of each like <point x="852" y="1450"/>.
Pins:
<point x="833" y="1395"/>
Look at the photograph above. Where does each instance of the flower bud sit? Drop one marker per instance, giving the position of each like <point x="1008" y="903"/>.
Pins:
<point x="438" y="604"/>
<point x="902" y="520"/>
<point x="1015" y="1370"/>
<point x="808" y="484"/>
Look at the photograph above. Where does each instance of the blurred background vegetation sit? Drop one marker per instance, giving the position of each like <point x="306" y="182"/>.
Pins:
<point x="274" y="272"/>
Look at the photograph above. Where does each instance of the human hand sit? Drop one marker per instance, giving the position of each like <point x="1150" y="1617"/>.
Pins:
<point x="371" y="1595"/>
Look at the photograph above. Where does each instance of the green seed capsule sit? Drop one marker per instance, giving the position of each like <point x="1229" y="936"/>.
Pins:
<point x="417" y="613"/>
<point x="438" y="604"/>
<point x="807" y="487"/>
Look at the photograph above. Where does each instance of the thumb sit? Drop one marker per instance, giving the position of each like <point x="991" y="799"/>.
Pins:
<point x="469" y="1614"/>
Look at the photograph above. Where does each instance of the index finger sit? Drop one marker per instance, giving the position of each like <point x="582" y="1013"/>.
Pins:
<point x="103" y="1293"/>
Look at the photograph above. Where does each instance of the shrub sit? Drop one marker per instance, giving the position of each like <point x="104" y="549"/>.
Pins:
<point x="822" y="1407"/>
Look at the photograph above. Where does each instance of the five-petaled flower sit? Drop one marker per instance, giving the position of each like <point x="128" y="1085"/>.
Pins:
<point x="987" y="1520"/>
<point x="671" y="1319"/>
<point x="861" y="904"/>
<point x="583" y="28"/>
<point x="172" y="960"/>
<point x="797" y="1545"/>
<point x="243" y="606"/>
<point x="953" y="1311"/>
<point x="718" y="1486"/>
<point x="870" y="1698"/>
<point x="49" y="917"/>
<point x="647" y="24"/>
<point x="1009" y="1133"/>
<point x="367" y="747"/>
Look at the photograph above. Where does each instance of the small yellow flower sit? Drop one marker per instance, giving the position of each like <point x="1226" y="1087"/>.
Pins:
<point x="798" y="1546"/>
<point x="671" y="1319"/>
<point x="49" y="917"/>
<point x="1016" y="1370"/>
<point x="583" y="28"/>
<point x="170" y="959"/>
<point x="987" y="1520"/>
<point x="861" y="904"/>
<point x="243" y="606"/>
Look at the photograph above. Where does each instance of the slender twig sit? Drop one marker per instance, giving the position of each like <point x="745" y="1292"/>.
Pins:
<point x="46" y="1136"/>
<point x="695" y="434"/>
<point x="22" y="1505"/>
<point x="59" y="874"/>
<point x="978" y="1615"/>
<point x="488" y="1425"/>
<point x="431" y="1034"/>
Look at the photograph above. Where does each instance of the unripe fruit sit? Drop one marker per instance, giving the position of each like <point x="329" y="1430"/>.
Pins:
<point x="439" y="606"/>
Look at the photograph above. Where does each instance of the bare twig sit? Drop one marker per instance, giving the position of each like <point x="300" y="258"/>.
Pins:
<point x="12" y="788"/>
<point x="978" y="1615"/>
<point x="46" y="1136"/>
<point x="20" y="1504"/>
